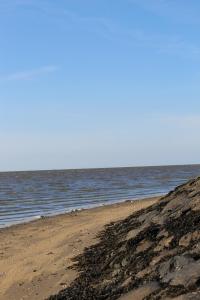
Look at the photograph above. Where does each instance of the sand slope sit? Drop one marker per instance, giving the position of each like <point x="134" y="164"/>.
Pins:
<point x="34" y="257"/>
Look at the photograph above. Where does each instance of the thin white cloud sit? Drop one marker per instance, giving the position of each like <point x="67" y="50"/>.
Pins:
<point x="176" y="10"/>
<point x="167" y="44"/>
<point x="111" y="30"/>
<point x="29" y="74"/>
<point x="7" y="6"/>
<point x="60" y="15"/>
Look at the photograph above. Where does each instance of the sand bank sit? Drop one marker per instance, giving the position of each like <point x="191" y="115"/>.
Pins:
<point x="34" y="257"/>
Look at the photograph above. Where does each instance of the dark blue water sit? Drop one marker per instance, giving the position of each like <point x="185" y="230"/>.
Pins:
<point x="28" y="195"/>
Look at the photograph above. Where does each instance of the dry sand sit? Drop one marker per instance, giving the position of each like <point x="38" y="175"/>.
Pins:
<point x="34" y="257"/>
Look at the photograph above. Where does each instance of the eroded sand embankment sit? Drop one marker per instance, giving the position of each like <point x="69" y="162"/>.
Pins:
<point x="34" y="257"/>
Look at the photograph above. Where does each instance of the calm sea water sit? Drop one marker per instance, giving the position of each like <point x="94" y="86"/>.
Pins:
<point x="28" y="195"/>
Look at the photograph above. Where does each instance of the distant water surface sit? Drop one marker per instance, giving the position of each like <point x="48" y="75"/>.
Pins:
<point x="28" y="195"/>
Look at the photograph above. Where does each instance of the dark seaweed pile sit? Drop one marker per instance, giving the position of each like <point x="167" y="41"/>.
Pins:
<point x="158" y="247"/>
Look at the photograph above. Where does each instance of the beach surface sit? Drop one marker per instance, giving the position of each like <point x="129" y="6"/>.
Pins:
<point x="35" y="257"/>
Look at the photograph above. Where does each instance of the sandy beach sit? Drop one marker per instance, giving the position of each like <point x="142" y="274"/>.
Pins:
<point x="34" y="257"/>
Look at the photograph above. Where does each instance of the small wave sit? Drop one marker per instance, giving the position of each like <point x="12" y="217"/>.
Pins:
<point x="29" y="196"/>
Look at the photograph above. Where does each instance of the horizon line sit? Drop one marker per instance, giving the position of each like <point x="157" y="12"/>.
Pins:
<point x="100" y="168"/>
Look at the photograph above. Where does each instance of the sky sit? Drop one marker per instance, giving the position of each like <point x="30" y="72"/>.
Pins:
<point x="99" y="83"/>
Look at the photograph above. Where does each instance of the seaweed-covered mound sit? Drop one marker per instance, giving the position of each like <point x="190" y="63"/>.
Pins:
<point x="152" y="254"/>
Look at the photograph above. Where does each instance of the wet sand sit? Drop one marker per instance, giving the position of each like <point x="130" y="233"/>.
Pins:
<point x="34" y="257"/>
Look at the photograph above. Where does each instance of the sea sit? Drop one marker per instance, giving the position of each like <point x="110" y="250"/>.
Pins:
<point x="26" y="196"/>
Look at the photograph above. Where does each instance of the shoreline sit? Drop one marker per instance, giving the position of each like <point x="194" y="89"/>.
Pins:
<point x="35" y="257"/>
<point x="89" y="207"/>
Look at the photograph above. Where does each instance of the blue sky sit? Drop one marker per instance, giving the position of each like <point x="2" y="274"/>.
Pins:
<point x="99" y="83"/>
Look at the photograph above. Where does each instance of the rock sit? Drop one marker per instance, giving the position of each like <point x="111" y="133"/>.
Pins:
<point x="164" y="243"/>
<point x="180" y="270"/>
<point x="162" y="255"/>
<point x="143" y="273"/>
<point x="163" y="233"/>
<point x="188" y="276"/>
<point x="141" y="292"/>
<point x="188" y="238"/>
<point x="115" y="272"/>
<point x="152" y="254"/>
<point x="188" y="296"/>
<point x="143" y="246"/>
<point x="172" y="265"/>
<point x="132" y="233"/>
<point x="126" y="282"/>
<point x="147" y="217"/>
<point x="124" y="262"/>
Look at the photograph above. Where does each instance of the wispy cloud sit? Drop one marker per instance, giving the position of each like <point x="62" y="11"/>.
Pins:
<point x="112" y="30"/>
<point x="7" y="6"/>
<point x="115" y="31"/>
<point x="176" y="10"/>
<point x="29" y="74"/>
<point x="166" y="44"/>
<point x="60" y="15"/>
